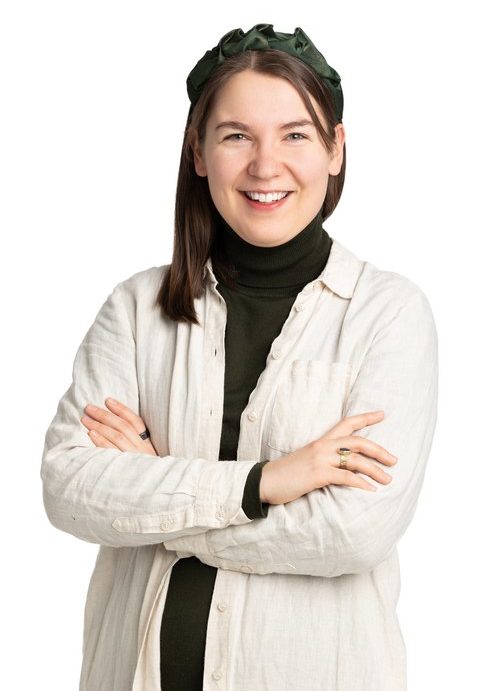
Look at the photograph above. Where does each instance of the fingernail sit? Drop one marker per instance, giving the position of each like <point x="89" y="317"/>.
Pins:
<point x="111" y="400"/>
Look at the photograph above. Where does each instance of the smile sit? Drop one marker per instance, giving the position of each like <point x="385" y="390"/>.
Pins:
<point x="269" y="200"/>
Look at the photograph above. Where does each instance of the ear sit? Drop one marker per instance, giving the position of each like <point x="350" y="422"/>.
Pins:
<point x="200" y="167"/>
<point x="337" y="158"/>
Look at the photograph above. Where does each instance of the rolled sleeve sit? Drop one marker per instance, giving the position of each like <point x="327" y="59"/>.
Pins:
<point x="251" y="502"/>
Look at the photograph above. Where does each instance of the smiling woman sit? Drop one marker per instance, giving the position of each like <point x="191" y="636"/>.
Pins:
<point x="237" y="141"/>
<point x="264" y="379"/>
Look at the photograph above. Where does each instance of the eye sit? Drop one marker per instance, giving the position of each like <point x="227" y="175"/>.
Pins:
<point x="238" y="134"/>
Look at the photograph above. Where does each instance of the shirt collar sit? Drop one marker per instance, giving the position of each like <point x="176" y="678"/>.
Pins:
<point x="340" y="273"/>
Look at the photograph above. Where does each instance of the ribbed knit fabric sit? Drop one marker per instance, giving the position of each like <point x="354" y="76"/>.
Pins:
<point x="269" y="279"/>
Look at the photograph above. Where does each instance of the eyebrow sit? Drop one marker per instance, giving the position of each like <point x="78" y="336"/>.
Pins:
<point x="236" y="125"/>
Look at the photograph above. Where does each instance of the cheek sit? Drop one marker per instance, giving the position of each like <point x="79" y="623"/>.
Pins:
<point x="222" y="171"/>
<point x="314" y="176"/>
<point x="316" y="167"/>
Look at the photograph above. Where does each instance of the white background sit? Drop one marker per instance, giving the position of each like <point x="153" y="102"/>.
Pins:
<point x="92" y="116"/>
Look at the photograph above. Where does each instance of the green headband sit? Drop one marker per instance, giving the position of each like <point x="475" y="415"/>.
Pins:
<point x="261" y="37"/>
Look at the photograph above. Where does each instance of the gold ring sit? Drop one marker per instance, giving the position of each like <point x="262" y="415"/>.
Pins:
<point x="344" y="454"/>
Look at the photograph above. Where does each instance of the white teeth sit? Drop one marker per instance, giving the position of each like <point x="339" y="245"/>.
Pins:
<point x="266" y="198"/>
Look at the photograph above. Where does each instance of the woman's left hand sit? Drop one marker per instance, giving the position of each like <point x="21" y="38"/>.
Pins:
<point x="117" y="428"/>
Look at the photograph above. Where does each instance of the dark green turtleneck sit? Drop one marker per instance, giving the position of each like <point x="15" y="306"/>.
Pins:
<point x="268" y="281"/>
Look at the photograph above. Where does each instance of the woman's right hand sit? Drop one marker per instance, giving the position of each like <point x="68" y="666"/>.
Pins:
<point x="317" y="464"/>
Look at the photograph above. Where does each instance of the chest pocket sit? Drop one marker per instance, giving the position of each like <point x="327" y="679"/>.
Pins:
<point x="309" y="400"/>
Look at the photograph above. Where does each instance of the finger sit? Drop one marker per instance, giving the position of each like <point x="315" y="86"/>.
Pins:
<point x="113" y="421"/>
<point x="117" y="438"/>
<point x="358" y="463"/>
<point x="350" y="479"/>
<point x="98" y="440"/>
<point x="368" y="448"/>
<point x="121" y="443"/>
<point x="136" y="422"/>
<point x="127" y="414"/>
<point x="353" y="423"/>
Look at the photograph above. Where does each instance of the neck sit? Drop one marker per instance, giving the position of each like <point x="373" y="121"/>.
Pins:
<point x="288" y="266"/>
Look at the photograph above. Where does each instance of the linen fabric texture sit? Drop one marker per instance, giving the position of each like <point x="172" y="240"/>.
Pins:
<point x="306" y="598"/>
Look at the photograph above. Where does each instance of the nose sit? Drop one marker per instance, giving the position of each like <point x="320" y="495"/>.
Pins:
<point x="265" y="162"/>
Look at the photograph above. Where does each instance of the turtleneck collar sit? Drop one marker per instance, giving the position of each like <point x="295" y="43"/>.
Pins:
<point x="290" y="265"/>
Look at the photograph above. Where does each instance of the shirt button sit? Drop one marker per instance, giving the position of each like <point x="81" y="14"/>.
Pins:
<point x="247" y="568"/>
<point x="252" y="416"/>
<point x="299" y="307"/>
<point x="166" y="524"/>
<point x="276" y="354"/>
<point x="216" y="674"/>
<point x="220" y="514"/>
<point x="222" y="606"/>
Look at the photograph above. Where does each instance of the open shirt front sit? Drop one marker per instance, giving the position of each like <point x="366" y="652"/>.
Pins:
<point x="306" y="597"/>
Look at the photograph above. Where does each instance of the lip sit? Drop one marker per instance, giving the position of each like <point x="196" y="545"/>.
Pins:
<point x="266" y="207"/>
<point x="266" y="191"/>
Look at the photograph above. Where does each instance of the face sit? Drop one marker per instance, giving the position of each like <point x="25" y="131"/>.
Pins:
<point x="250" y="145"/>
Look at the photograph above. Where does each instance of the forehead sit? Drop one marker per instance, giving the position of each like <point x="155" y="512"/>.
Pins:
<point x="262" y="97"/>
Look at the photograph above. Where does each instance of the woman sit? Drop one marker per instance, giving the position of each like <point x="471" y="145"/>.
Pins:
<point x="269" y="343"/>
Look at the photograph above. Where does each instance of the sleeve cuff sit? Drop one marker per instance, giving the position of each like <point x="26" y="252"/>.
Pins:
<point x="251" y="503"/>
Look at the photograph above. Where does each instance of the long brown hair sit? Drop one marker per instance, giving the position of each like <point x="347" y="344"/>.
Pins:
<point x="196" y="216"/>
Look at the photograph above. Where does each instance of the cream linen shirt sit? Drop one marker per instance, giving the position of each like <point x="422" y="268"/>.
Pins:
<point x="304" y="599"/>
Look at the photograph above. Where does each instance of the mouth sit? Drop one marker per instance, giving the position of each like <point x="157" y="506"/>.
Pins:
<point x="266" y="200"/>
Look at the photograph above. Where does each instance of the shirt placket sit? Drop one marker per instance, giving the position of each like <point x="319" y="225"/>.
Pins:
<point x="230" y="585"/>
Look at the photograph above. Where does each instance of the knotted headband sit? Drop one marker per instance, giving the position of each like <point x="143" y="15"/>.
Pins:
<point x="261" y="37"/>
